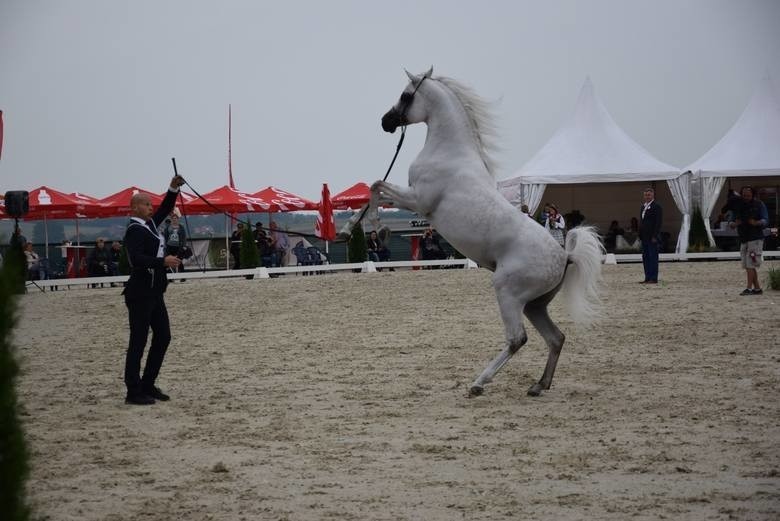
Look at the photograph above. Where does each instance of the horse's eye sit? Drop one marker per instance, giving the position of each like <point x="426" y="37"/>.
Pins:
<point x="406" y="97"/>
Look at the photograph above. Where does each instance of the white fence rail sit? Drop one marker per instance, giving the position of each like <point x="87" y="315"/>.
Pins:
<point x="366" y="267"/>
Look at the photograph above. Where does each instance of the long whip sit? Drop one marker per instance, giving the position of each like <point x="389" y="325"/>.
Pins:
<point x="219" y="210"/>
<point x="186" y="221"/>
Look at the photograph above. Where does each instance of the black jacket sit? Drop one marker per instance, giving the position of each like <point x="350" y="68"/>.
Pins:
<point x="745" y="211"/>
<point x="148" y="275"/>
<point x="650" y="224"/>
<point x="97" y="262"/>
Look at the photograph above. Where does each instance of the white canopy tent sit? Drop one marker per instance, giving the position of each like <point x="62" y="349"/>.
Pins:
<point x="591" y="148"/>
<point x="751" y="148"/>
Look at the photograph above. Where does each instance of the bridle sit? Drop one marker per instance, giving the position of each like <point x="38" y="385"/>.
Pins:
<point x="408" y="100"/>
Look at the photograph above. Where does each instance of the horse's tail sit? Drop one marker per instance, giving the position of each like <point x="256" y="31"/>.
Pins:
<point x="582" y="282"/>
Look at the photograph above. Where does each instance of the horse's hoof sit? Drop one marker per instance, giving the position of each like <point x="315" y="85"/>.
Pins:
<point x="476" y="390"/>
<point x="535" y="390"/>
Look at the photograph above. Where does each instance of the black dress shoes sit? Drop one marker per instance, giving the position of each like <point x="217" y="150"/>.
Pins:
<point x="139" y="399"/>
<point x="156" y="394"/>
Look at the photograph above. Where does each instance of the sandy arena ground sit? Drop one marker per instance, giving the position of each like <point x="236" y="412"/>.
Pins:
<point x="344" y="397"/>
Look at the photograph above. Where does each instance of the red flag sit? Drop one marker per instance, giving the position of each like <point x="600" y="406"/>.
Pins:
<point x="230" y="147"/>
<point x="1" y="133"/>
<point x="325" y="227"/>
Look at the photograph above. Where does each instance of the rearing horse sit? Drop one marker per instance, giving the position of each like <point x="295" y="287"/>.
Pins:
<point x="452" y="185"/>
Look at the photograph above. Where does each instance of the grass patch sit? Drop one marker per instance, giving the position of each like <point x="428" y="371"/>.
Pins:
<point x="774" y="278"/>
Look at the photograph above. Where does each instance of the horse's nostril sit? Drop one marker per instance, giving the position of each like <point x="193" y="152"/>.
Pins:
<point x="389" y="122"/>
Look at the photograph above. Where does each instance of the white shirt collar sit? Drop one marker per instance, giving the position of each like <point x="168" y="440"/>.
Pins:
<point x="154" y="231"/>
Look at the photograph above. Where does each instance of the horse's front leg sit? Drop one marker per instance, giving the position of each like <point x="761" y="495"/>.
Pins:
<point x="384" y="193"/>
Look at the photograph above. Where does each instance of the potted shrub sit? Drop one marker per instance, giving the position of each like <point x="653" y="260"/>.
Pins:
<point x="357" y="250"/>
<point x="698" y="241"/>
<point x="249" y="256"/>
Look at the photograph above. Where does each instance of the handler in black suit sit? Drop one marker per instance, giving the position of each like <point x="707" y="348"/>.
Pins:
<point x="144" y="294"/>
<point x="649" y="234"/>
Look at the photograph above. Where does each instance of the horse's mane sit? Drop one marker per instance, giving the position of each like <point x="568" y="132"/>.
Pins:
<point x="480" y="118"/>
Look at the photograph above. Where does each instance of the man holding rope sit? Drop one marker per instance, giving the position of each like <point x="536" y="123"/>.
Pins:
<point x="144" y="294"/>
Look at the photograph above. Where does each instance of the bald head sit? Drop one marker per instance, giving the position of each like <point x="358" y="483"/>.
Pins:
<point x="141" y="206"/>
<point x="137" y="198"/>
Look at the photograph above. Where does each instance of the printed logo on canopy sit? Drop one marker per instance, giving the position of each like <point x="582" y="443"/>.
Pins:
<point x="283" y="201"/>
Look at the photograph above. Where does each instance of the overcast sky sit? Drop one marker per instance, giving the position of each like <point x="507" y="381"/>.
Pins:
<point x="99" y="95"/>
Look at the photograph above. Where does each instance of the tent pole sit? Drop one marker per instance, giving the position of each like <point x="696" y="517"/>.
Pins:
<point x="46" y="234"/>
<point x="227" y="243"/>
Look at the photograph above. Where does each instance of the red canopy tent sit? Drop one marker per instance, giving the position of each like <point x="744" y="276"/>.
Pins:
<point x="48" y="203"/>
<point x="182" y="195"/>
<point x="226" y="199"/>
<point x="185" y="196"/>
<point x="283" y="201"/>
<point x="229" y="200"/>
<point x="92" y="204"/>
<point x="118" y="204"/>
<point x="87" y="199"/>
<point x="353" y="197"/>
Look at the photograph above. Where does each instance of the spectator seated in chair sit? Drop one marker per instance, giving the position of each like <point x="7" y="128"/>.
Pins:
<point x="113" y="258"/>
<point x="610" y="239"/>
<point x="99" y="260"/>
<point x="377" y="251"/>
<point x="265" y="246"/>
<point x="430" y="246"/>
<point x="280" y="243"/>
<point x="36" y="267"/>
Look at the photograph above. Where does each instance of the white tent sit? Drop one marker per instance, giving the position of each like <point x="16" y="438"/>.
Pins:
<point x="591" y="148"/>
<point x="751" y="148"/>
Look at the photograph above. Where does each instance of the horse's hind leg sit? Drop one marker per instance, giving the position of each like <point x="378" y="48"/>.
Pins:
<point x="536" y="312"/>
<point x="511" y="307"/>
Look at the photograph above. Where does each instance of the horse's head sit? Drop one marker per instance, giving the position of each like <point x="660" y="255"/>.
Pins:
<point x="409" y="109"/>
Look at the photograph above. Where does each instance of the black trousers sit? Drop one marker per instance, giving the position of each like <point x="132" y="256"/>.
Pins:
<point x="145" y="313"/>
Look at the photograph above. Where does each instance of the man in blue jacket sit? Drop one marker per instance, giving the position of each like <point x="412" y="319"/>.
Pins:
<point x="144" y="294"/>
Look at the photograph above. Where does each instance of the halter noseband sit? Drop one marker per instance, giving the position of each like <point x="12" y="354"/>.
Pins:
<point x="408" y="99"/>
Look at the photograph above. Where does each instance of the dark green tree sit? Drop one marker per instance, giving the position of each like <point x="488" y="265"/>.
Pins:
<point x="13" y="450"/>
<point x="249" y="256"/>
<point x="124" y="264"/>
<point x="358" y="250"/>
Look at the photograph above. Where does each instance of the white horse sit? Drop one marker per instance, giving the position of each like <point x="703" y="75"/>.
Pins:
<point x="452" y="185"/>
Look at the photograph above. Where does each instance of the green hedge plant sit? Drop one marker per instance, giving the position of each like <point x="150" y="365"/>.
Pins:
<point x="358" y="249"/>
<point x="13" y="449"/>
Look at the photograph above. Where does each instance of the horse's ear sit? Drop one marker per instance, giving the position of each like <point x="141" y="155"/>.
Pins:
<point x="429" y="74"/>
<point x="411" y="76"/>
